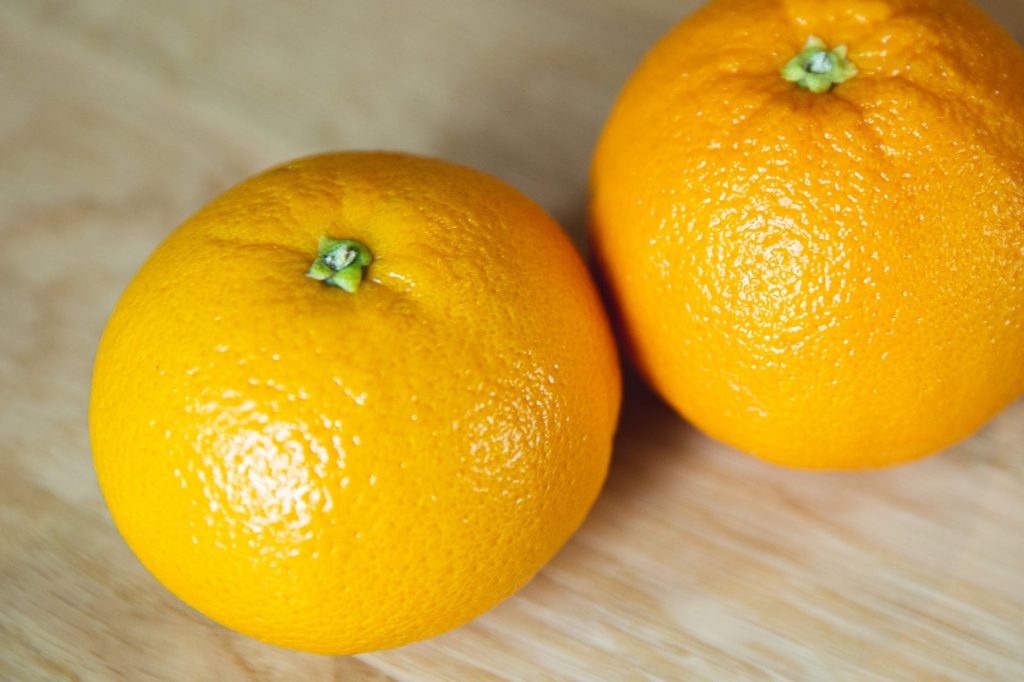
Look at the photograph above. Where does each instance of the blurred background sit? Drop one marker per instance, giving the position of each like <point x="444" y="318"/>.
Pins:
<point x="518" y="89"/>
<point x="119" y="119"/>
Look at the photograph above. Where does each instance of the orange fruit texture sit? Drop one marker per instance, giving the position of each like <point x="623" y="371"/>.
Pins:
<point x="810" y="216"/>
<point x="342" y="472"/>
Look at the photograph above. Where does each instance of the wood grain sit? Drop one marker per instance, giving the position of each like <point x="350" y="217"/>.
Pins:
<point x="119" y="119"/>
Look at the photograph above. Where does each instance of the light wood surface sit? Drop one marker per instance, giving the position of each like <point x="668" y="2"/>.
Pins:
<point x="118" y="119"/>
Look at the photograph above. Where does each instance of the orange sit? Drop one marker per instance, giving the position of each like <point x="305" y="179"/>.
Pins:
<point x="810" y="216"/>
<point x="339" y="470"/>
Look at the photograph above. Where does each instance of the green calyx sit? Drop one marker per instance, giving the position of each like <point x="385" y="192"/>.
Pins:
<point x="340" y="263"/>
<point x="818" y="68"/>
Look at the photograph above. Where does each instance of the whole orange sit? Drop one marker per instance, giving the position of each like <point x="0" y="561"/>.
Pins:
<point x="817" y="254"/>
<point x="345" y="468"/>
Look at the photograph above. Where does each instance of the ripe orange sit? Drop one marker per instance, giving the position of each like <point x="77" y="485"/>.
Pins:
<point x="820" y="259"/>
<point x="340" y="472"/>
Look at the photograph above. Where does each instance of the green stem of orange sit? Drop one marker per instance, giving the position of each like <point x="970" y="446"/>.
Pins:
<point x="818" y="68"/>
<point x="340" y="263"/>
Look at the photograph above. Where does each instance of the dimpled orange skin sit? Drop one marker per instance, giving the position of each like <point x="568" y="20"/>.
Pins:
<point x="338" y="472"/>
<point x="826" y="281"/>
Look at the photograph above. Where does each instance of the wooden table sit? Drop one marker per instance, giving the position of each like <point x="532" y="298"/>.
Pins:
<point x="119" y="118"/>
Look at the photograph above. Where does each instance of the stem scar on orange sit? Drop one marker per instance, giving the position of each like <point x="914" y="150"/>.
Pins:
<point x="355" y="401"/>
<point x="825" y="247"/>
